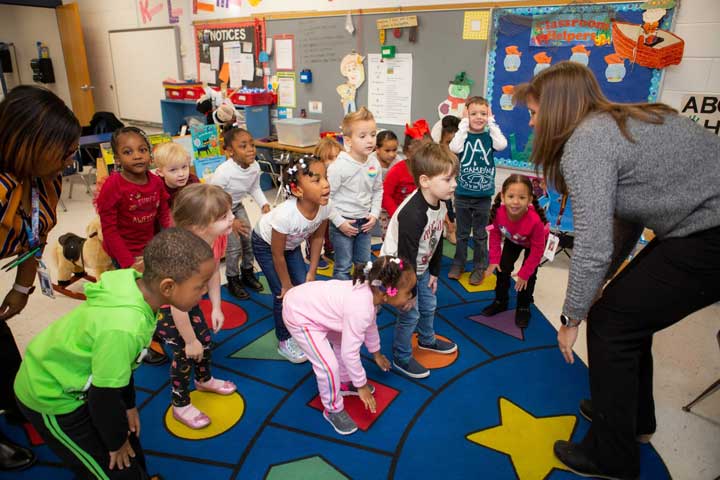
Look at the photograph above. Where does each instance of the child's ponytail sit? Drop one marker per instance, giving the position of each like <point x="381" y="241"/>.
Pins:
<point x="384" y="273"/>
<point x="494" y="208"/>
<point x="539" y="210"/>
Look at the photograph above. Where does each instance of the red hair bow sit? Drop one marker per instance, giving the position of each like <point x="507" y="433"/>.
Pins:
<point x="418" y="130"/>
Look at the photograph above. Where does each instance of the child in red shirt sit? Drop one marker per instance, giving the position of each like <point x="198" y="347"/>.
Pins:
<point x="521" y="222"/>
<point x="398" y="182"/>
<point x="133" y="202"/>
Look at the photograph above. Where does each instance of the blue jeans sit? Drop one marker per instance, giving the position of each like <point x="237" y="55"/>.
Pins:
<point x="420" y="318"/>
<point x="296" y="268"/>
<point x="472" y="213"/>
<point x="349" y="250"/>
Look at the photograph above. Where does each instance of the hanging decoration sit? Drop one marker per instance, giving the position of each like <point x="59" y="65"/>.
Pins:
<point x="352" y="68"/>
<point x="454" y="104"/>
<point x="396" y="24"/>
<point x="512" y="58"/>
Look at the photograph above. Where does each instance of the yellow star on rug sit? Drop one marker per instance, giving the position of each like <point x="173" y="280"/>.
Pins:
<point x="527" y="439"/>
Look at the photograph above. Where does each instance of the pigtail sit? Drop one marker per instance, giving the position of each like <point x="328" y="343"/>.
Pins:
<point x="384" y="273"/>
<point x="540" y="211"/>
<point x="494" y="208"/>
<point x="293" y="170"/>
<point x="361" y="272"/>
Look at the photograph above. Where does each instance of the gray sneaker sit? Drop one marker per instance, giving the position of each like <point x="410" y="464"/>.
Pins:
<point x="291" y="351"/>
<point x="439" y="346"/>
<point x="341" y="422"/>
<point x="476" y="277"/>
<point x="412" y="368"/>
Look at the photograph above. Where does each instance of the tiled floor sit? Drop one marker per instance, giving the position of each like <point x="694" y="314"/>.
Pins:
<point x="687" y="359"/>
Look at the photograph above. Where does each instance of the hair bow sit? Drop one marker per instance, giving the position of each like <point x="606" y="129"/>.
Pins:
<point x="418" y="130"/>
<point x="397" y="261"/>
<point x="367" y="268"/>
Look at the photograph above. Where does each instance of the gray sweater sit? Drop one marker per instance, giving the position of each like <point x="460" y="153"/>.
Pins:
<point x="668" y="181"/>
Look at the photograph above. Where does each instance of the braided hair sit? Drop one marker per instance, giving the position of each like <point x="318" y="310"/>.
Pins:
<point x="293" y="170"/>
<point x="384" y="273"/>
<point x="124" y="130"/>
<point x="511" y="180"/>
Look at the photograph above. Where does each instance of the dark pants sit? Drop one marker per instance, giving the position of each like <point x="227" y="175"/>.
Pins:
<point x="666" y="282"/>
<point x="296" y="269"/>
<point x="472" y="213"/>
<point x="75" y="439"/>
<point x="10" y="360"/>
<point x="510" y="253"/>
<point x="181" y="366"/>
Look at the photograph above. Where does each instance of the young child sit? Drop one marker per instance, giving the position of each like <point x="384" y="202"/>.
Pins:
<point x="420" y="219"/>
<point x="331" y="321"/>
<point x="522" y="224"/>
<point x="204" y="210"/>
<point x="131" y="202"/>
<point x="399" y="182"/>
<point x="326" y="150"/>
<point x="356" y="192"/>
<point x="476" y="184"/>
<point x="172" y="164"/>
<point x="450" y="125"/>
<point x="279" y="234"/>
<point x="239" y="175"/>
<point x="75" y="384"/>
<point x="386" y="153"/>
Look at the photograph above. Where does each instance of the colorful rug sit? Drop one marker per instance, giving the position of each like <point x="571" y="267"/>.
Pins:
<point x="493" y="410"/>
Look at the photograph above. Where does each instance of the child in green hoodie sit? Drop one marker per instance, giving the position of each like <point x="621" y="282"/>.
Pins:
<point x="75" y="383"/>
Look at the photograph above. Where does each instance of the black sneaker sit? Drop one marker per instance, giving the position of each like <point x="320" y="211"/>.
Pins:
<point x="586" y="411"/>
<point x="348" y="389"/>
<point x="341" y="422"/>
<point x="412" y="368"/>
<point x="522" y="317"/>
<point x="440" y="346"/>
<point x="494" y="308"/>
<point x="330" y="255"/>
<point x="153" y="357"/>
<point x="249" y="280"/>
<point x="236" y="289"/>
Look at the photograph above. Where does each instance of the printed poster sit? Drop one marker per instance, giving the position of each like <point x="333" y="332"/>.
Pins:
<point x="390" y="88"/>
<point x="590" y="29"/>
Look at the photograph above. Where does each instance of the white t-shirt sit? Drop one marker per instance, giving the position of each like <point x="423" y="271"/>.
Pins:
<point x="287" y="219"/>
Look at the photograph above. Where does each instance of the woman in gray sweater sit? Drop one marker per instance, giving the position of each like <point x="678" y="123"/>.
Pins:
<point x="625" y="167"/>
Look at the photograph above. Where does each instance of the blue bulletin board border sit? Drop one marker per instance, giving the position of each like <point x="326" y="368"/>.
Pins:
<point x="642" y="83"/>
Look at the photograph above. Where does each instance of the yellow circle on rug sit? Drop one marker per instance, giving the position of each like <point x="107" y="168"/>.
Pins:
<point x="430" y="359"/>
<point x="224" y="411"/>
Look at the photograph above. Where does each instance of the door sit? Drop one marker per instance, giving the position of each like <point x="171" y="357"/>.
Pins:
<point x="78" y="75"/>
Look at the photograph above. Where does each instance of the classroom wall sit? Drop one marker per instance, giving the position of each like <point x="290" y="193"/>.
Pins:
<point x="24" y="26"/>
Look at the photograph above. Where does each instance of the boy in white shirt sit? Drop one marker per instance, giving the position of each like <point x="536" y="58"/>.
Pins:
<point x="239" y="176"/>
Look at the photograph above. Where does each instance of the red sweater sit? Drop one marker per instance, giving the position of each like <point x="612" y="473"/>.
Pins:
<point x="528" y="232"/>
<point x="128" y="215"/>
<point x="172" y="192"/>
<point x="398" y="184"/>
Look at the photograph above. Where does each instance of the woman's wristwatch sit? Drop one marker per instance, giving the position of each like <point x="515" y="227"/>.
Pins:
<point x="569" y="322"/>
<point x="24" y="290"/>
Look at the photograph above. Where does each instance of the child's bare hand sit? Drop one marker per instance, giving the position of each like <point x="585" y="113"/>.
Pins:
<point x="120" y="458"/>
<point x="381" y="361"/>
<point x="240" y="227"/>
<point x="310" y="276"/>
<point x="265" y="208"/>
<point x="133" y="418"/>
<point x="218" y="319"/>
<point x="491" y="269"/>
<point x="283" y="291"/>
<point x="520" y="284"/>
<point x="347" y="229"/>
<point x="370" y="224"/>
<point x="194" y="350"/>
<point x="367" y="398"/>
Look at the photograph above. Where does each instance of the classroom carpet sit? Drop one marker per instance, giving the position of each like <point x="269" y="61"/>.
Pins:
<point x="491" y="410"/>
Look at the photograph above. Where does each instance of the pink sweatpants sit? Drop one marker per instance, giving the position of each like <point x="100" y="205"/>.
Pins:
<point x="322" y="348"/>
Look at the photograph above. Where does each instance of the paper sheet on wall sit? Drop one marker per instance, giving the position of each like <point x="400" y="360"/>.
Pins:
<point x="390" y="88"/>
<point x="286" y="89"/>
<point x="242" y="69"/>
<point x="215" y="58"/>
<point x="207" y="74"/>
<point x="231" y="50"/>
<point x="284" y="54"/>
<point x="247" y="47"/>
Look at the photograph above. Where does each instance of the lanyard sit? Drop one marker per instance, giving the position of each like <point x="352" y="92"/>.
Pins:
<point x="32" y="226"/>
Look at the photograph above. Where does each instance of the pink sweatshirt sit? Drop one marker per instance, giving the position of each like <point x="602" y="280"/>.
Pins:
<point x="528" y="232"/>
<point x="337" y="306"/>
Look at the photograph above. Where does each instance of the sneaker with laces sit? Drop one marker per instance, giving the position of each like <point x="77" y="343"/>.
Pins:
<point x="412" y="368"/>
<point x="341" y="422"/>
<point x="291" y="351"/>
<point x="477" y="276"/>
<point x="348" y="389"/>
<point x="322" y="264"/>
<point x="455" y="272"/>
<point x="439" y="346"/>
<point x="494" y="308"/>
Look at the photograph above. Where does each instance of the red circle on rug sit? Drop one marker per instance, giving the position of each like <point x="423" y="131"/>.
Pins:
<point x="234" y="315"/>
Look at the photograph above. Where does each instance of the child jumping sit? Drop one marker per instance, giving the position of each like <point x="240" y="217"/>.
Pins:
<point x="204" y="210"/>
<point x="476" y="184"/>
<point x="172" y="164"/>
<point x="75" y="384"/>
<point x="278" y="236"/>
<point x="415" y="233"/>
<point x="239" y="175"/>
<point x="522" y="224"/>
<point x="331" y="321"/>
<point x="131" y="203"/>
<point x="356" y="192"/>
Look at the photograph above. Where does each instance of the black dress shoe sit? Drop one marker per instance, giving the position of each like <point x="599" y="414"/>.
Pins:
<point x="494" y="308"/>
<point x="587" y="412"/>
<point x="575" y="459"/>
<point x="522" y="317"/>
<point x="14" y="457"/>
<point x="249" y="280"/>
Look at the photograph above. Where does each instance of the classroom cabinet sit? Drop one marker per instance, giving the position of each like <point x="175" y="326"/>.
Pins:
<point x="175" y="113"/>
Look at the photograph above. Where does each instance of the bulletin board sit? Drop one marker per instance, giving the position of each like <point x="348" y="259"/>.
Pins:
<point x="512" y="60"/>
<point x="211" y="42"/>
<point x="438" y="55"/>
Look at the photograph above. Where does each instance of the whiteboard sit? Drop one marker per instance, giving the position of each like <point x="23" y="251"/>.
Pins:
<point x="142" y="58"/>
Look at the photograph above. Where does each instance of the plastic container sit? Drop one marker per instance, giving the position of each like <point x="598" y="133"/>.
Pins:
<point x="246" y="98"/>
<point x="298" y="132"/>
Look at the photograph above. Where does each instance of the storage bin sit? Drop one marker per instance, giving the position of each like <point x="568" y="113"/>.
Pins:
<point x="257" y="120"/>
<point x="298" y="132"/>
<point x="245" y="98"/>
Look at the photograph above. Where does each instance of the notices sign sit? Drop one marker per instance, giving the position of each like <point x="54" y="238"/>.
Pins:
<point x="703" y="109"/>
<point x="570" y="29"/>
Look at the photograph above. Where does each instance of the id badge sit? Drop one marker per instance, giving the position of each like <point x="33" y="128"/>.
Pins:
<point x="45" y="281"/>
<point x="551" y="247"/>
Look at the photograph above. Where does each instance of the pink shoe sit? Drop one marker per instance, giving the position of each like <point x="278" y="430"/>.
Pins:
<point x="191" y="417"/>
<point x="221" y="387"/>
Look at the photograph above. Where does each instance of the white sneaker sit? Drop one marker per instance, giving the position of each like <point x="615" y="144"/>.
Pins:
<point x="291" y="350"/>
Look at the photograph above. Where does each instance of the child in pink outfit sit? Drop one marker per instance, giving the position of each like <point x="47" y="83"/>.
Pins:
<point x="331" y="320"/>
<point x="515" y="217"/>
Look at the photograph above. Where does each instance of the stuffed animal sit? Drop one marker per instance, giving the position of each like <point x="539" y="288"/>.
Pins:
<point x="75" y="255"/>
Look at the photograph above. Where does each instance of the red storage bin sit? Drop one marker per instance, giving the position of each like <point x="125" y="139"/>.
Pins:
<point x="254" y="98"/>
<point x="183" y="91"/>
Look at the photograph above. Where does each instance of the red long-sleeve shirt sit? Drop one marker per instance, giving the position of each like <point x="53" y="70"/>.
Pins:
<point x="528" y="232"/>
<point x="128" y="215"/>
<point x="398" y="185"/>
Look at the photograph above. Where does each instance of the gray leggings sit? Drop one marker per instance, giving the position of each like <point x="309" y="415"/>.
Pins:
<point x="238" y="245"/>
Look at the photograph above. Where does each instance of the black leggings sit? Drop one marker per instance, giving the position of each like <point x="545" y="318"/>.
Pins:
<point x="510" y="253"/>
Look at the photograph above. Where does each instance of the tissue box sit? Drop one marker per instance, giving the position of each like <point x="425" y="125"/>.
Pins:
<point x="298" y="132"/>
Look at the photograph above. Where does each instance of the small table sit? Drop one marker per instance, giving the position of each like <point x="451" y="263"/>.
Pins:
<point x="287" y="148"/>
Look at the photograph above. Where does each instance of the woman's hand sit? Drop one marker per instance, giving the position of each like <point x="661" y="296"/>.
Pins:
<point x="218" y="319"/>
<point x="520" y="284"/>
<point x="381" y="361"/>
<point x="566" y="339"/>
<point x="133" y="418"/>
<point x="120" y="458"/>
<point x="12" y="305"/>
<point x="194" y="350"/>
<point x="367" y="398"/>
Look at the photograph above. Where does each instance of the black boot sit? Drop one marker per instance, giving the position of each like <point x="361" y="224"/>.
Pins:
<point x="13" y="456"/>
<point x="494" y="308"/>
<point x="249" y="280"/>
<point x="236" y="289"/>
<point x="522" y="316"/>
